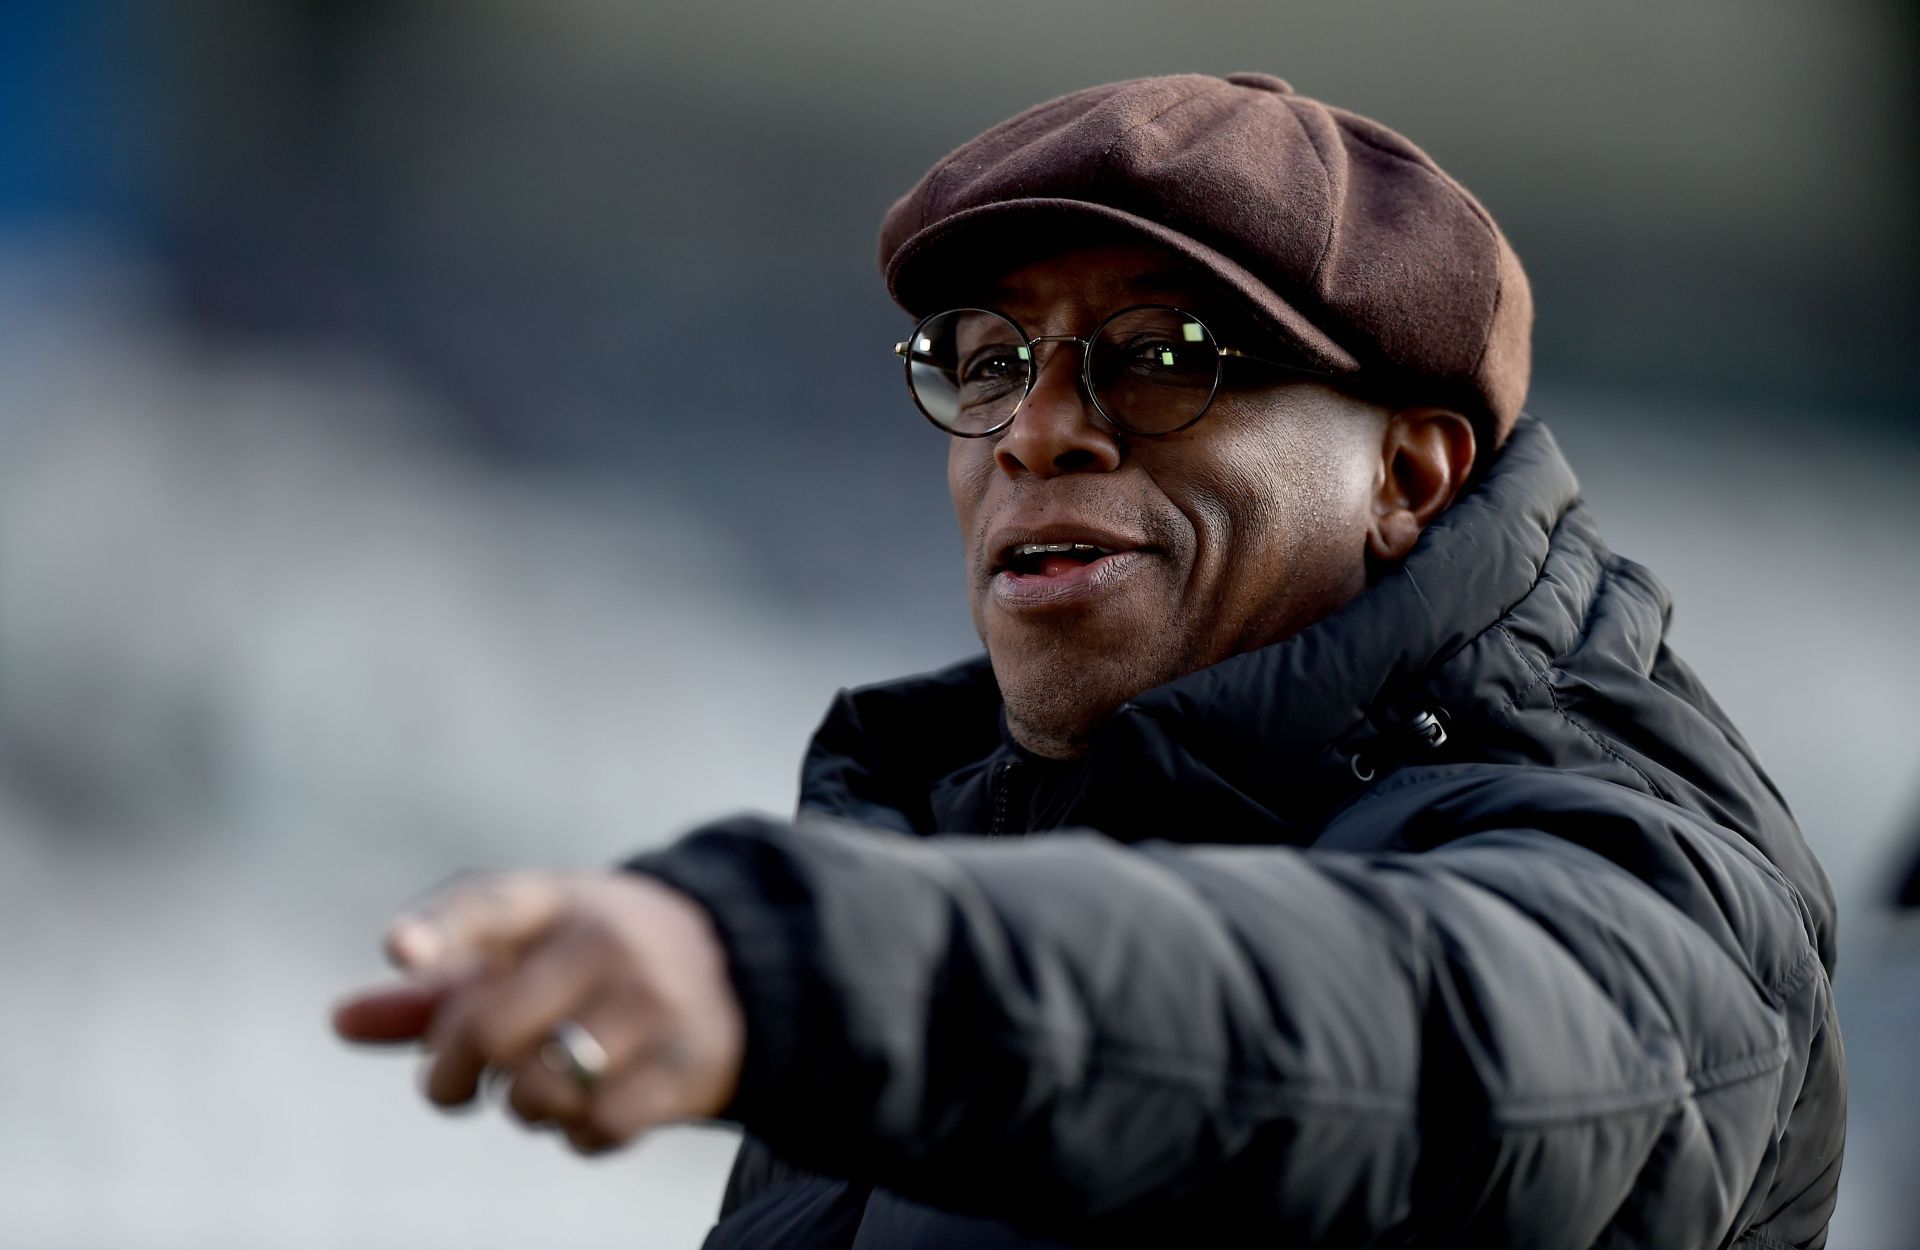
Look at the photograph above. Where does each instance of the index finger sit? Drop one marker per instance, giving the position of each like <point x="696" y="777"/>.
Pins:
<point x="482" y="920"/>
<point x="398" y="1012"/>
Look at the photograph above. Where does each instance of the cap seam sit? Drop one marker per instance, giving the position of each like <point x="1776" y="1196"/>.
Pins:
<point x="1445" y="179"/>
<point x="1189" y="98"/>
<point x="1493" y="319"/>
<point x="1333" y="215"/>
<point x="1480" y="215"/>
<point x="1126" y="134"/>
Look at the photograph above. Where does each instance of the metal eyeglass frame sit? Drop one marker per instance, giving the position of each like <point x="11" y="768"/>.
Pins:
<point x="1221" y="356"/>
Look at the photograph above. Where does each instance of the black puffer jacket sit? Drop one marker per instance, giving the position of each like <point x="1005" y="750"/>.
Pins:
<point x="1321" y="978"/>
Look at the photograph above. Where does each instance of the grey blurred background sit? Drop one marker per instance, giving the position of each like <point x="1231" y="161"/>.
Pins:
<point x="462" y="434"/>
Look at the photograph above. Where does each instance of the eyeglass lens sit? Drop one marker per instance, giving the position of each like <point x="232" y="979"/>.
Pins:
<point x="1151" y="370"/>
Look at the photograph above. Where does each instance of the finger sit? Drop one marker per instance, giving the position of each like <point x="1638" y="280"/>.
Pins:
<point x="590" y="1141"/>
<point x="456" y="1064"/>
<point x="398" y="1012"/>
<point x="516" y="1012"/>
<point x="488" y="918"/>
<point x="409" y="942"/>
<point x="510" y="1013"/>
<point x="541" y="1095"/>
<point x="625" y="1029"/>
<point x="645" y="1097"/>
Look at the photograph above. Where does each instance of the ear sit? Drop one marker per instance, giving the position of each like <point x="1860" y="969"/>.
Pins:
<point x="1425" y="458"/>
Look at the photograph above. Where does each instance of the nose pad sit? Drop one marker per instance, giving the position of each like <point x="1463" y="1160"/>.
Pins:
<point x="1057" y="429"/>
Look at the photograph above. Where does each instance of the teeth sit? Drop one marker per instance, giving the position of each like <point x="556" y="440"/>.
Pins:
<point x="1052" y="549"/>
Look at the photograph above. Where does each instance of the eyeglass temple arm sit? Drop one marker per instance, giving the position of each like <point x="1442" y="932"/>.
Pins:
<point x="1290" y="367"/>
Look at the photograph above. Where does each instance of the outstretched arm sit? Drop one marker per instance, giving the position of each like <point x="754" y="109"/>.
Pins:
<point x="1497" y="1040"/>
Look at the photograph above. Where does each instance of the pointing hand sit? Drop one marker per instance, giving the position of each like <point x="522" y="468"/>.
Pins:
<point x="603" y="999"/>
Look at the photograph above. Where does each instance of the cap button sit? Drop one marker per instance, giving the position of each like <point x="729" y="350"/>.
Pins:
<point x="1265" y="82"/>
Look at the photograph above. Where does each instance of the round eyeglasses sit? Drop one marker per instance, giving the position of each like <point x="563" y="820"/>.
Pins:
<point x="1152" y="369"/>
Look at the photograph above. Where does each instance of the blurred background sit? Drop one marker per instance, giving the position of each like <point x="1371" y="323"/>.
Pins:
<point x="463" y="434"/>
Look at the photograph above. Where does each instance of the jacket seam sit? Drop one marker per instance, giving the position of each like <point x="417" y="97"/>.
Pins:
<point x="1704" y="1083"/>
<point x="1796" y="977"/>
<point x="1172" y="1070"/>
<point x="1542" y="678"/>
<point x="1778" y="990"/>
<point x="1169" y="1070"/>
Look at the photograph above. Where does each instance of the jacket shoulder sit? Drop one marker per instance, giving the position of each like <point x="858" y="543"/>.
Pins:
<point x="1711" y="875"/>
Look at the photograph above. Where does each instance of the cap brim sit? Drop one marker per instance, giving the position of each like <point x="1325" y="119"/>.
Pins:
<point x="924" y="271"/>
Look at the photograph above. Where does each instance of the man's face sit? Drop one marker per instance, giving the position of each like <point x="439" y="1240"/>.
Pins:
<point x="1233" y="533"/>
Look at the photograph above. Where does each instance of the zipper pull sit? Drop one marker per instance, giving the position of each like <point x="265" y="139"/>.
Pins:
<point x="1426" y="730"/>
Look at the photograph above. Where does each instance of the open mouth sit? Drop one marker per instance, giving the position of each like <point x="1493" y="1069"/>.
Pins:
<point x="1050" y="559"/>
<point x="1059" y="564"/>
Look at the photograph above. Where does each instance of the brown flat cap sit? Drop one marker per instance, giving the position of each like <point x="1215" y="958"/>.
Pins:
<point x="1341" y="235"/>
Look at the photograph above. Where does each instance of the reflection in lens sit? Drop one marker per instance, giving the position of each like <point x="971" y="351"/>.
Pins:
<point x="969" y="369"/>
<point x="1154" y="370"/>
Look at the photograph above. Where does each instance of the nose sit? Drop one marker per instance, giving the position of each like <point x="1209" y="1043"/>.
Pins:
<point x="1057" y="429"/>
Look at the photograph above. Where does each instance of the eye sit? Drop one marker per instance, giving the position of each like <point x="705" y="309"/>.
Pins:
<point x="1154" y="353"/>
<point x="1159" y="357"/>
<point x="998" y="363"/>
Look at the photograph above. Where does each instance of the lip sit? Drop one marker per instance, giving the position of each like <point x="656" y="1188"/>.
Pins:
<point x="1004" y="539"/>
<point x="1037" y="592"/>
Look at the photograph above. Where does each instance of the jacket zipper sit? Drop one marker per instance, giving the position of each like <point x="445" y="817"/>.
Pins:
<point x="1002" y="785"/>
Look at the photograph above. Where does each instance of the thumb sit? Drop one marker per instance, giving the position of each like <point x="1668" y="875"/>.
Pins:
<point x="482" y="920"/>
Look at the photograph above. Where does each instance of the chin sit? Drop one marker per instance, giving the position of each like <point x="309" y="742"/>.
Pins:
<point x="1062" y="689"/>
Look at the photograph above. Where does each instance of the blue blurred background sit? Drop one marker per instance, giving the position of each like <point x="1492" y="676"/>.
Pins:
<point x="459" y="434"/>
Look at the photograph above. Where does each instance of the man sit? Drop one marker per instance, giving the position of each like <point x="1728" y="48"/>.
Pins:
<point x="1398" y="885"/>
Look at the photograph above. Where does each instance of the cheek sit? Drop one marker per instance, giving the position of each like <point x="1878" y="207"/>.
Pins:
<point x="969" y="464"/>
<point x="1242" y="499"/>
<point x="1283" y="505"/>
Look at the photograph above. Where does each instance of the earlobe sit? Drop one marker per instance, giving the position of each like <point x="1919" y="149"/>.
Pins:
<point x="1425" y="459"/>
<point x="1392" y="536"/>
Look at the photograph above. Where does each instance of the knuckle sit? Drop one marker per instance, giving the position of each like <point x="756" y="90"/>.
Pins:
<point x="603" y="946"/>
<point x="479" y="1021"/>
<point x="491" y="1033"/>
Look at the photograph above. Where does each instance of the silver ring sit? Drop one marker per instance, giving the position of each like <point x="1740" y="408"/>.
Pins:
<point x="575" y="1053"/>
